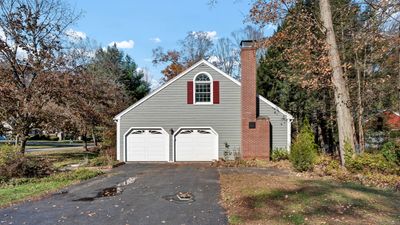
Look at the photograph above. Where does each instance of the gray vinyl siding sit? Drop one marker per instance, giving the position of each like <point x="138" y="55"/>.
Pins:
<point x="279" y="126"/>
<point x="169" y="109"/>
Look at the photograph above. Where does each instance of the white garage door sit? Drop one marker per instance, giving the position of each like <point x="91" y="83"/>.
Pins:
<point x="196" y="145"/>
<point x="147" y="145"/>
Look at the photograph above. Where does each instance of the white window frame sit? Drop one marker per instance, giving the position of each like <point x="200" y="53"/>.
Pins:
<point x="211" y="89"/>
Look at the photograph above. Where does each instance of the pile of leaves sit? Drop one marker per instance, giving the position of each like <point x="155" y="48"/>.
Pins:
<point x="251" y="163"/>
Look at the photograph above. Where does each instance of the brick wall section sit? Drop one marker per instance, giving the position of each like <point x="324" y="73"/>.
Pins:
<point x="255" y="142"/>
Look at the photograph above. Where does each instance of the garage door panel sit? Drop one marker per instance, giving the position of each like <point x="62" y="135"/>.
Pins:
<point x="196" y="145"/>
<point x="147" y="145"/>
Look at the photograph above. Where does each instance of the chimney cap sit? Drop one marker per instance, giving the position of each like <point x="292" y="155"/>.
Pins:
<point x="247" y="43"/>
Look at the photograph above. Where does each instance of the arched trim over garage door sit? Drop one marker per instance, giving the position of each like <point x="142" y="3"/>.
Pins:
<point x="146" y="144"/>
<point x="196" y="144"/>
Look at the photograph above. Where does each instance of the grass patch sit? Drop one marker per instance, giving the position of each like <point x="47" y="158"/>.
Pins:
<point x="235" y="219"/>
<point x="24" y="189"/>
<point x="21" y="189"/>
<point x="64" y="157"/>
<point x="264" y="199"/>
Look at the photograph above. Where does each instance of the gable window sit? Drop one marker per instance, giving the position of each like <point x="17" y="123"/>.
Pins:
<point x="203" y="89"/>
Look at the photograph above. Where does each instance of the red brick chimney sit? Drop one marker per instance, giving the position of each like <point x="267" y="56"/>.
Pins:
<point x="255" y="130"/>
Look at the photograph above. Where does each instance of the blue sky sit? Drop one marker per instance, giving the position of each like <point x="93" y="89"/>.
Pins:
<point x="140" y="26"/>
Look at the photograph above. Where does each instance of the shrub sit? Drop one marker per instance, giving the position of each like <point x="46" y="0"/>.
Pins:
<point x="391" y="152"/>
<point x="304" y="150"/>
<point x="394" y="134"/>
<point x="279" y="154"/>
<point x="8" y="153"/>
<point x="54" y="138"/>
<point x="370" y="162"/>
<point x="14" y="165"/>
<point x="349" y="153"/>
<point x="110" y="153"/>
<point x="26" y="167"/>
<point x="107" y="157"/>
<point x="40" y="137"/>
<point x="326" y="165"/>
<point x="109" y="137"/>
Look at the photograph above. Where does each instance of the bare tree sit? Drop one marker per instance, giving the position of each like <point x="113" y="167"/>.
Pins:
<point x="197" y="45"/>
<point x="31" y="45"/>
<point x="227" y="57"/>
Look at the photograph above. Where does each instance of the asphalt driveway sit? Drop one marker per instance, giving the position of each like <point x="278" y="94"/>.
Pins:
<point x="145" y="194"/>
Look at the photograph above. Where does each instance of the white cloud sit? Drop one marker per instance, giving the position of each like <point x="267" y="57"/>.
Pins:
<point x="155" y="40"/>
<point x="75" y="35"/>
<point x="210" y="34"/>
<point x="154" y="84"/>
<point x="2" y="34"/>
<point x="123" y="44"/>
<point x="21" y="54"/>
<point x="213" y="59"/>
<point x="271" y="27"/>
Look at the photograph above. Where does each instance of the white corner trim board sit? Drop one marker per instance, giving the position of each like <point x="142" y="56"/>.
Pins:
<point x="118" y="141"/>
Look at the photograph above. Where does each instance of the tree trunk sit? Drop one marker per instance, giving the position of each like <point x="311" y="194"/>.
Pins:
<point x="94" y="138"/>
<point x="344" y="119"/>
<point x="22" y="144"/>
<point x="360" y="107"/>
<point x="398" y="85"/>
<point x="85" y="145"/>
<point x="16" y="140"/>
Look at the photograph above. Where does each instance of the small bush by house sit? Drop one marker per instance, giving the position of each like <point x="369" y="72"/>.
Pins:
<point x="304" y="150"/>
<point x="279" y="154"/>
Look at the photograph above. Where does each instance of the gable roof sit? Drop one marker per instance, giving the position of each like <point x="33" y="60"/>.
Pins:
<point x="187" y="71"/>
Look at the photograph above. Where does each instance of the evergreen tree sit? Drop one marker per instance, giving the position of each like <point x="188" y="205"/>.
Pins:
<point x="114" y="64"/>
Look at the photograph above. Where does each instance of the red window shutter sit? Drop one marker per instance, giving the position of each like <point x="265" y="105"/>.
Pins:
<point x="216" y="92"/>
<point x="190" y="92"/>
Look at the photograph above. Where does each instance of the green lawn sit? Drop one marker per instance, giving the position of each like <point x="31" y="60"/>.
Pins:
<point x="21" y="189"/>
<point x="24" y="189"/>
<point x="265" y="199"/>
